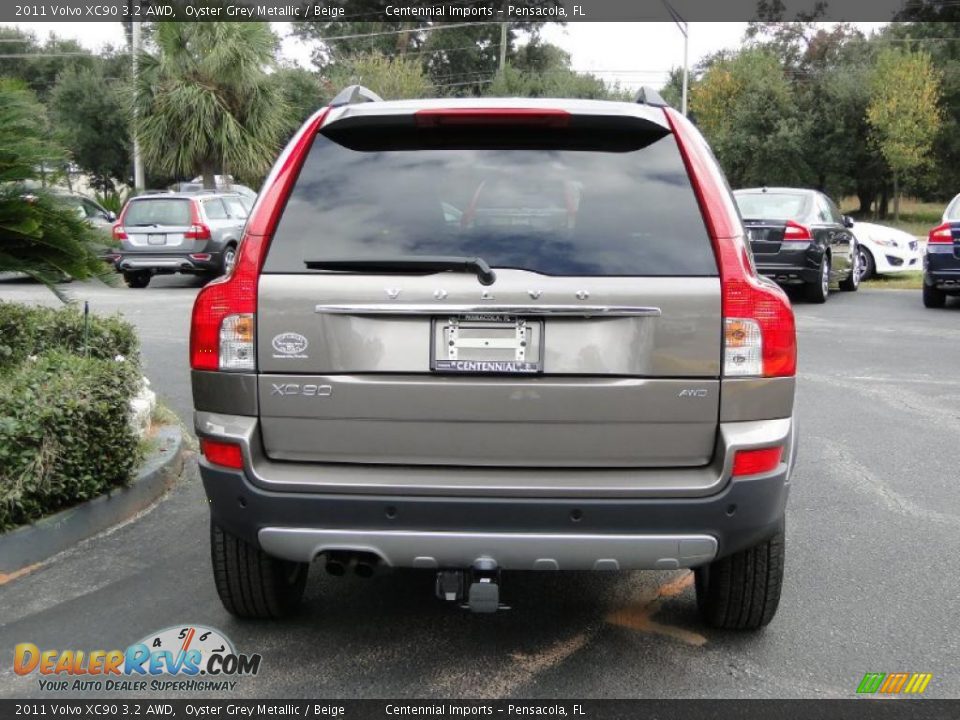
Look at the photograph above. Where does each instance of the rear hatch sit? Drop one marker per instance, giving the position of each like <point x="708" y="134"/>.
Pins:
<point x="158" y="225"/>
<point x="598" y="343"/>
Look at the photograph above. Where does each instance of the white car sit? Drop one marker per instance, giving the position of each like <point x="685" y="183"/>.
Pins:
<point x="952" y="213"/>
<point x="886" y="250"/>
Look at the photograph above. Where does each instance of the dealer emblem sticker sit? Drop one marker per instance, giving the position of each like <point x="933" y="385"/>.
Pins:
<point x="290" y="345"/>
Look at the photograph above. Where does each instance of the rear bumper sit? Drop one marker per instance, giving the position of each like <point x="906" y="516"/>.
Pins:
<point x="167" y="262"/>
<point x="942" y="269"/>
<point x="791" y="268"/>
<point x="416" y="527"/>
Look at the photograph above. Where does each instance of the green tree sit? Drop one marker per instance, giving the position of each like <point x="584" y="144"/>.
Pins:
<point x="87" y="111"/>
<point x="38" y="63"/>
<point x="904" y="112"/>
<point x="303" y="92"/>
<point x="38" y="235"/>
<point x="205" y="102"/>
<point x="391" y="78"/>
<point x="747" y="109"/>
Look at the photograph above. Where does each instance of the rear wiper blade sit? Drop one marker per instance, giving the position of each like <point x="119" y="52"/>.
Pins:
<point x="424" y="263"/>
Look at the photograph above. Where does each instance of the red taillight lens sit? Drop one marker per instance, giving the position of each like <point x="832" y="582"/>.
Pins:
<point x="197" y="231"/>
<point x="119" y="233"/>
<point x="941" y="234"/>
<point x="222" y="453"/>
<point x="760" y="336"/>
<point x="754" y="462"/>
<point x="492" y="116"/>
<point x="794" y="232"/>
<point x="223" y="326"/>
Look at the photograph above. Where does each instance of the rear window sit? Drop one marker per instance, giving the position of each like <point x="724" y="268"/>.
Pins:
<point x="626" y="209"/>
<point x="158" y="211"/>
<point x="772" y="206"/>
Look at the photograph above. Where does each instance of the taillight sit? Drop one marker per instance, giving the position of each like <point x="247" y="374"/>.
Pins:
<point x="119" y="233"/>
<point x="223" y="326"/>
<point x="197" y="231"/>
<point x="760" y="337"/>
<point x="941" y="234"/>
<point x="222" y="453"/>
<point x="796" y="237"/>
<point x="754" y="462"/>
<point x="537" y="117"/>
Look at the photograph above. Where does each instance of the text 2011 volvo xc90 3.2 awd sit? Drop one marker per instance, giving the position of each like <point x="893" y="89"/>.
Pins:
<point x="495" y="334"/>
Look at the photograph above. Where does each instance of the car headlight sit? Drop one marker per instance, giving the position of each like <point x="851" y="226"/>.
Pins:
<point x="887" y="243"/>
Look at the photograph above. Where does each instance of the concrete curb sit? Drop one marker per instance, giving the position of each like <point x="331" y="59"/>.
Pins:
<point x="43" y="539"/>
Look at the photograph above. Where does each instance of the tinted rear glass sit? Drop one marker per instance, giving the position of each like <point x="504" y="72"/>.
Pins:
<point x="626" y="210"/>
<point x="772" y="206"/>
<point x="158" y="212"/>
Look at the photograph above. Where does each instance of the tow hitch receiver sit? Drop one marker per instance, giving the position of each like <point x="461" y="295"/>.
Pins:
<point x="479" y="586"/>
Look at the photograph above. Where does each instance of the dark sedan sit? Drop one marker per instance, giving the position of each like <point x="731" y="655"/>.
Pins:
<point x="799" y="238"/>
<point x="941" y="264"/>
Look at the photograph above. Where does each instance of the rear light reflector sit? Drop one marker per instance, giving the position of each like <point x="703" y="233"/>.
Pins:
<point x="203" y="257"/>
<point x="222" y="453"/>
<point x="119" y="233"/>
<point x="197" y="231"/>
<point x="754" y="462"/>
<point x="236" y="342"/>
<point x="942" y="234"/>
<point x="742" y="347"/>
<point x="492" y="116"/>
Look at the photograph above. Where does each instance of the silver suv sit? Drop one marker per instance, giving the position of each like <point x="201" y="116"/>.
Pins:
<point x="480" y="335"/>
<point x="164" y="233"/>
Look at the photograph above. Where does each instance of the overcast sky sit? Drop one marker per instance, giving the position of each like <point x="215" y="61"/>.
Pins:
<point x="633" y="53"/>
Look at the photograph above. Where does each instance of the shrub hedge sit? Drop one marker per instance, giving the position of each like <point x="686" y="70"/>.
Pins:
<point x="65" y="434"/>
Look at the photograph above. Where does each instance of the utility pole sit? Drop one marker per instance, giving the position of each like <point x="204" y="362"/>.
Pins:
<point x="139" y="181"/>
<point x="503" y="47"/>
<point x="684" y="28"/>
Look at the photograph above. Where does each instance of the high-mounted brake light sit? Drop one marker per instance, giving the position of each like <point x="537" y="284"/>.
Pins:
<point x="754" y="462"/>
<point x="223" y="326"/>
<point x="941" y="234"/>
<point x="492" y="116"/>
<point x="760" y="337"/>
<point x="222" y="453"/>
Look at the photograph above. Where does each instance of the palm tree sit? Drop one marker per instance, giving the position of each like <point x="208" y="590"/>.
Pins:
<point x="205" y="103"/>
<point x="39" y="236"/>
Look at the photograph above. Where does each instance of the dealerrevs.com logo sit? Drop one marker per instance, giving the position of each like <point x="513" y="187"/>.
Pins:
<point x="178" y="658"/>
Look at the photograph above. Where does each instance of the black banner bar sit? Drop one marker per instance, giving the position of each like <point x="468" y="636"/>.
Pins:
<point x="515" y="11"/>
<point x="856" y="709"/>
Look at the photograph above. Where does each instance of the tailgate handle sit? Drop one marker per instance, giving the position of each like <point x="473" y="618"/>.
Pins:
<point x="580" y="311"/>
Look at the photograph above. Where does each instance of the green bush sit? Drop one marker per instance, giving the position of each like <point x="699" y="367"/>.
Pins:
<point x="65" y="434"/>
<point x="26" y="330"/>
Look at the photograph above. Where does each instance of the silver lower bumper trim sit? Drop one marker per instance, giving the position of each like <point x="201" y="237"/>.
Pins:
<point x="511" y="551"/>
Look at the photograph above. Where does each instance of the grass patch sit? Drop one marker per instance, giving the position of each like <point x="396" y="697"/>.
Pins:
<point x="902" y="281"/>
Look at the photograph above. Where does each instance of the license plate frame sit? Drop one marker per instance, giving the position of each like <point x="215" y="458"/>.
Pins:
<point x="156" y="239"/>
<point x="486" y="344"/>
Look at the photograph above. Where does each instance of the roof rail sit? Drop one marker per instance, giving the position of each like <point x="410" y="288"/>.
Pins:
<point x="354" y="94"/>
<point x="649" y="96"/>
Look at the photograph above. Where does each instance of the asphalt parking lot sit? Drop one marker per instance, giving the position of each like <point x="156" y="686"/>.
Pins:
<point x="873" y="542"/>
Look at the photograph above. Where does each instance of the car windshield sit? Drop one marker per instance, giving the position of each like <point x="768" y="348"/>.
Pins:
<point x="552" y="210"/>
<point x="158" y="211"/>
<point x="771" y="206"/>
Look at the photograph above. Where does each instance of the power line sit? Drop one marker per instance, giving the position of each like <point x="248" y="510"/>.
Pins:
<point x="432" y="28"/>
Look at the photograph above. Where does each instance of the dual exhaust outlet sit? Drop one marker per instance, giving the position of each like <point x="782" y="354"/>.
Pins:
<point x="340" y="561"/>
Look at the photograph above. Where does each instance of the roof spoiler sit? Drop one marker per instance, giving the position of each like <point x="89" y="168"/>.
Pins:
<point x="649" y="96"/>
<point x="353" y="94"/>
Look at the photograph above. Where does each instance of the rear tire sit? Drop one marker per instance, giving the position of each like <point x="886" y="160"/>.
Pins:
<point x="252" y="584"/>
<point x="817" y="292"/>
<point x="868" y="267"/>
<point x="138" y="279"/>
<point x="228" y="259"/>
<point x="742" y="591"/>
<point x="933" y="298"/>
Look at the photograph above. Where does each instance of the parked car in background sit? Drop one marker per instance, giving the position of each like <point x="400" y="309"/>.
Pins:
<point x="952" y="211"/>
<point x="941" y="264"/>
<point x="224" y="183"/>
<point x="886" y="250"/>
<point x="95" y="214"/>
<point x="486" y="334"/>
<point x="800" y="238"/>
<point x="166" y="233"/>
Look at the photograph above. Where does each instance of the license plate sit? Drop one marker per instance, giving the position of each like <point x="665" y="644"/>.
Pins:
<point x="487" y="344"/>
<point x="156" y="239"/>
